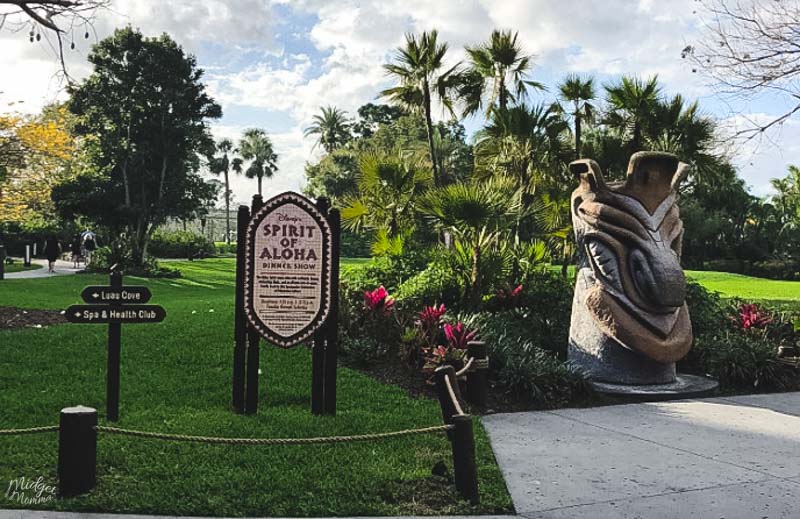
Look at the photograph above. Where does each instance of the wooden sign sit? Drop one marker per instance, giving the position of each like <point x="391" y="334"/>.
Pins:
<point x="123" y="295"/>
<point x="102" y="314"/>
<point x="287" y="285"/>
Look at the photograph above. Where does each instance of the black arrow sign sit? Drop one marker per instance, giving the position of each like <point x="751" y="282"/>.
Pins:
<point x="129" y="314"/>
<point x="116" y="295"/>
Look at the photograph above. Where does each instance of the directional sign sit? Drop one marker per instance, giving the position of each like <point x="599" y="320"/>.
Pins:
<point x="118" y="295"/>
<point x="128" y="314"/>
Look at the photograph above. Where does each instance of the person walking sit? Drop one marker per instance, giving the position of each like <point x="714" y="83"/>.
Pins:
<point x="75" y="249"/>
<point x="89" y="245"/>
<point x="52" y="249"/>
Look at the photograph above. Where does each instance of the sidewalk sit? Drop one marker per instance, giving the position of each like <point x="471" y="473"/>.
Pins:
<point x="62" y="268"/>
<point x="732" y="457"/>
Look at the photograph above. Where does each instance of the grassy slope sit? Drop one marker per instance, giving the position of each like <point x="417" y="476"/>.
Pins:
<point x="176" y="378"/>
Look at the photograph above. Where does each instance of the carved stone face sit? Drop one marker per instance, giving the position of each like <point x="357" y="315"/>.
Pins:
<point x="629" y="243"/>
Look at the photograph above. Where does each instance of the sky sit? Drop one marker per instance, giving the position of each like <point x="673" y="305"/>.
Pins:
<point x="271" y="64"/>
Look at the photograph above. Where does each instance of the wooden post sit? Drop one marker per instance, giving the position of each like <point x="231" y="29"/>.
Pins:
<point x="2" y="262"/>
<point x="253" y="345"/>
<point x="448" y="407"/>
<point x="463" y="443"/>
<point x="318" y="350"/>
<point x="114" y="347"/>
<point x="239" y="319"/>
<point x="332" y="326"/>
<point x="77" y="450"/>
<point x="476" y="378"/>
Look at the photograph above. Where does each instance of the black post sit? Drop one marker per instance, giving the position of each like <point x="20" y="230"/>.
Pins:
<point x="447" y="404"/>
<point x="332" y="324"/>
<point x="319" y="347"/>
<point x="466" y="475"/>
<point x="253" y="360"/>
<point x="239" y="319"/>
<point x="2" y="262"/>
<point x="77" y="450"/>
<point x="253" y="345"/>
<point x="114" y="346"/>
<point x="476" y="378"/>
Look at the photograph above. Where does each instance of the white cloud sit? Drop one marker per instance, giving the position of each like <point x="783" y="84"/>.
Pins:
<point x="254" y="60"/>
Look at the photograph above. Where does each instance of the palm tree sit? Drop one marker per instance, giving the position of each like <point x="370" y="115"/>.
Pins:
<point x="389" y="185"/>
<point x="418" y="68"/>
<point x="579" y="92"/>
<point x="256" y="147"/>
<point x="222" y="166"/>
<point x="499" y="65"/>
<point x="632" y="103"/>
<point x="332" y="127"/>
<point x="477" y="214"/>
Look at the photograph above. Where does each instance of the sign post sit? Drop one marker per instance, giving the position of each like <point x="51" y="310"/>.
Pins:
<point x="288" y="257"/>
<point x="2" y="262"/>
<point x="111" y="305"/>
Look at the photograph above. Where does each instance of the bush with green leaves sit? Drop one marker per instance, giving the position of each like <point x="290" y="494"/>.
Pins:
<point x="180" y="244"/>
<point x="105" y="257"/>
<point x="741" y="361"/>
<point x="706" y="310"/>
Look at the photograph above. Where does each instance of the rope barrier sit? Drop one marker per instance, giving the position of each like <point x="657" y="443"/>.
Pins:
<point x="467" y="367"/>
<point x="30" y="430"/>
<point x="456" y="403"/>
<point x="271" y="441"/>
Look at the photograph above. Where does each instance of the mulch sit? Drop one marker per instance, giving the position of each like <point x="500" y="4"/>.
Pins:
<point x="15" y="318"/>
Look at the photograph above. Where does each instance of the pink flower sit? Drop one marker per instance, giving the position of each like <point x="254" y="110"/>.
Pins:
<point x="378" y="300"/>
<point x="458" y="336"/>
<point x="439" y="351"/>
<point x="430" y="315"/>
<point x="751" y="316"/>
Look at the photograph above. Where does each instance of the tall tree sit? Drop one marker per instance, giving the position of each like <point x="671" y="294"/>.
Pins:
<point x="144" y="111"/>
<point x="222" y="165"/>
<point x="332" y="128"/>
<point x="256" y="147"/>
<point x="631" y="103"/>
<point x="372" y="116"/>
<point x="580" y="92"/>
<point x="750" y="49"/>
<point x="60" y="18"/>
<point x="500" y="67"/>
<point x="419" y="67"/>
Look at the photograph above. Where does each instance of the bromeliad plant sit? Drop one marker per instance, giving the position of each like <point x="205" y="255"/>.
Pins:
<point x="751" y="317"/>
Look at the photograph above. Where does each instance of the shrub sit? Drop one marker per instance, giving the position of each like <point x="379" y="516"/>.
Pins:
<point x="706" y="310"/>
<point x="223" y="248"/>
<point x="105" y="257"/>
<point x="435" y="284"/>
<point x="363" y="351"/>
<point x="741" y="361"/>
<point x="519" y="358"/>
<point x="180" y="244"/>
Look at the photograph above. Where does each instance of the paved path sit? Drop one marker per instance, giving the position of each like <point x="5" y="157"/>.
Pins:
<point x="732" y="457"/>
<point x="63" y="268"/>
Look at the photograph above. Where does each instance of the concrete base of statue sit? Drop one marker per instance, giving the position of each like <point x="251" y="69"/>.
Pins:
<point x="684" y="386"/>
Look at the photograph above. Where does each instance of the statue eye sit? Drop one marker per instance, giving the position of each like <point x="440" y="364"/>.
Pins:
<point x="604" y="261"/>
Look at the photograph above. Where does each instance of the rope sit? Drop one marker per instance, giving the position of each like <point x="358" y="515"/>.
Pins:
<point x="467" y="367"/>
<point x="473" y="364"/>
<point x="272" y="441"/>
<point x="31" y="430"/>
<point x="456" y="404"/>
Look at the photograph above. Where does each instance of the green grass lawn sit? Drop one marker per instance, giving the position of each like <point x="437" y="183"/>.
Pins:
<point x="18" y="266"/>
<point x="176" y="377"/>
<point x="746" y="287"/>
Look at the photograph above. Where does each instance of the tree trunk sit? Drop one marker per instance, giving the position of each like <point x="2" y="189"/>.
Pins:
<point x="429" y="128"/>
<point x="502" y="95"/>
<point x="475" y="294"/>
<point x="260" y="178"/>
<point x="227" y="209"/>
<point x="577" y="133"/>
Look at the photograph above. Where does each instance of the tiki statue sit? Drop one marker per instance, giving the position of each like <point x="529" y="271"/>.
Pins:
<point x="630" y="323"/>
